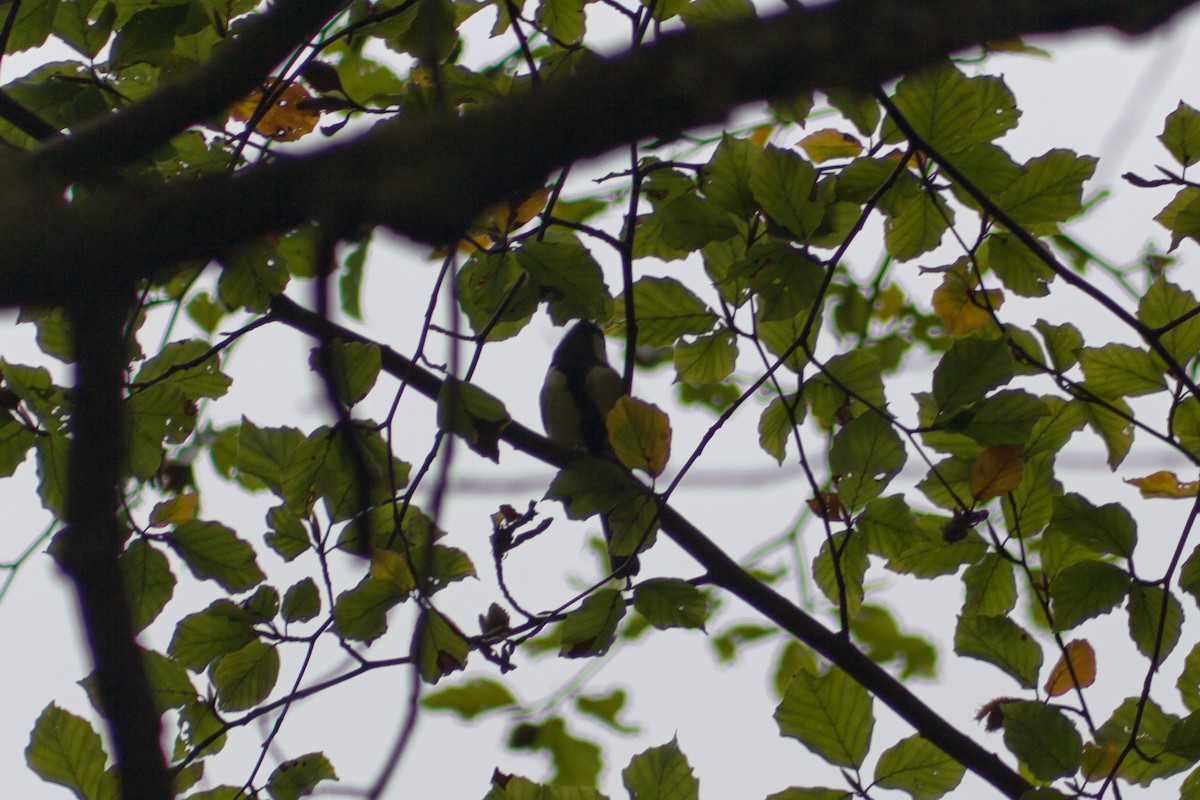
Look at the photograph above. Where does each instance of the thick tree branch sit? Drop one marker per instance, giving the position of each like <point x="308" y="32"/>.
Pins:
<point x="723" y="571"/>
<point x="93" y="539"/>
<point x="429" y="179"/>
<point x="235" y="71"/>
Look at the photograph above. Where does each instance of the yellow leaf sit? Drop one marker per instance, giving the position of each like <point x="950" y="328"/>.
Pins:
<point x="640" y="435"/>
<point x="828" y="144"/>
<point x="996" y="471"/>
<point x="392" y="567"/>
<point x="506" y="219"/>
<point x="1164" y="484"/>
<point x="174" y="511"/>
<point x="287" y="120"/>
<point x="1078" y="656"/>
<point x="761" y="134"/>
<point x="960" y="307"/>
<point x="1098" y="761"/>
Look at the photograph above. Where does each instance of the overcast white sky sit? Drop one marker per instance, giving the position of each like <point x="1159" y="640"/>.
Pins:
<point x="1100" y="94"/>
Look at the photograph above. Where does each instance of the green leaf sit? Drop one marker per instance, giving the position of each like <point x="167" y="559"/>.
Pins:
<point x="1181" y="134"/>
<point x="876" y="629"/>
<point x="442" y="649"/>
<point x="727" y="176"/>
<point x="854" y="378"/>
<point x="562" y="19"/>
<point x="1189" y="680"/>
<point x="288" y="537"/>
<point x="671" y="603"/>
<point x="52" y="454"/>
<point x="917" y="221"/>
<point x="786" y="281"/>
<point x="1145" y="613"/>
<point x="591" y="629"/>
<point x="354" y="366"/>
<point x="916" y="766"/>
<point x="149" y="582"/>
<point x="776" y="424"/>
<point x="1115" y="427"/>
<point x="170" y="686"/>
<point x="1000" y="641"/>
<point x="298" y="777"/>
<point x="1006" y="417"/>
<point x="940" y="104"/>
<point x="1063" y="342"/>
<point x="203" y="637"/>
<point x="361" y="613"/>
<point x="1108" y="529"/>
<point x="302" y="601"/>
<point x="1118" y="370"/>
<point x="661" y="773"/>
<point x="473" y="415"/>
<point x="707" y="359"/>
<point x="783" y="183"/>
<point x="245" y="677"/>
<point x="252" y="277"/>
<point x="1050" y="190"/>
<point x="665" y="310"/>
<point x="1016" y="265"/>
<point x="576" y="761"/>
<point x="66" y="750"/>
<point x="494" y="291"/>
<point x="470" y="699"/>
<point x="213" y="551"/>
<point x="1164" y="304"/>
<point x="1086" y="589"/>
<point x="689" y="223"/>
<point x="1153" y="727"/>
<point x="1043" y="738"/>
<point x="816" y="793"/>
<point x="829" y="714"/>
<point x="569" y="277"/>
<point x="971" y="368"/>
<point x="264" y="453"/>
<point x="991" y="587"/>
<point x="851" y="566"/>
<point x="15" y="444"/>
<point x="866" y="454"/>
<point x="606" y="708"/>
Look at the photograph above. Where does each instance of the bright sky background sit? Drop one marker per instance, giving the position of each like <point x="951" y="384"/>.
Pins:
<point x="1100" y="94"/>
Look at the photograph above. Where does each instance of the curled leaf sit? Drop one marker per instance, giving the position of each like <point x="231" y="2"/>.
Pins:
<point x="1164" y="484"/>
<point x="1076" y="664"/>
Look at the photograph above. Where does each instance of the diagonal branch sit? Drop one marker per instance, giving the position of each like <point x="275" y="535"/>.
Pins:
<point x="428" y="179"/>
<point x="723" y="571"/>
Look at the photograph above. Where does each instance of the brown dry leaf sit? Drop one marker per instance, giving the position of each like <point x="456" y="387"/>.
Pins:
<point x="961" y="308"/>
<point x="287" y="120"/>
<point x="996" y="471"/>
<point x="1078" y="656"/>
<point x="828" y="144"/>
<point x="1164" y="484"/>
<point x="831" y="509"/>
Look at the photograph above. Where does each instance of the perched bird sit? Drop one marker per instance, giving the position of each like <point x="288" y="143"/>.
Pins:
<point x="580" y="389"/>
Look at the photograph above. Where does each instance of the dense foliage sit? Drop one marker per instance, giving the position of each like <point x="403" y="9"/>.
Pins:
<point x="153" y="176"/>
